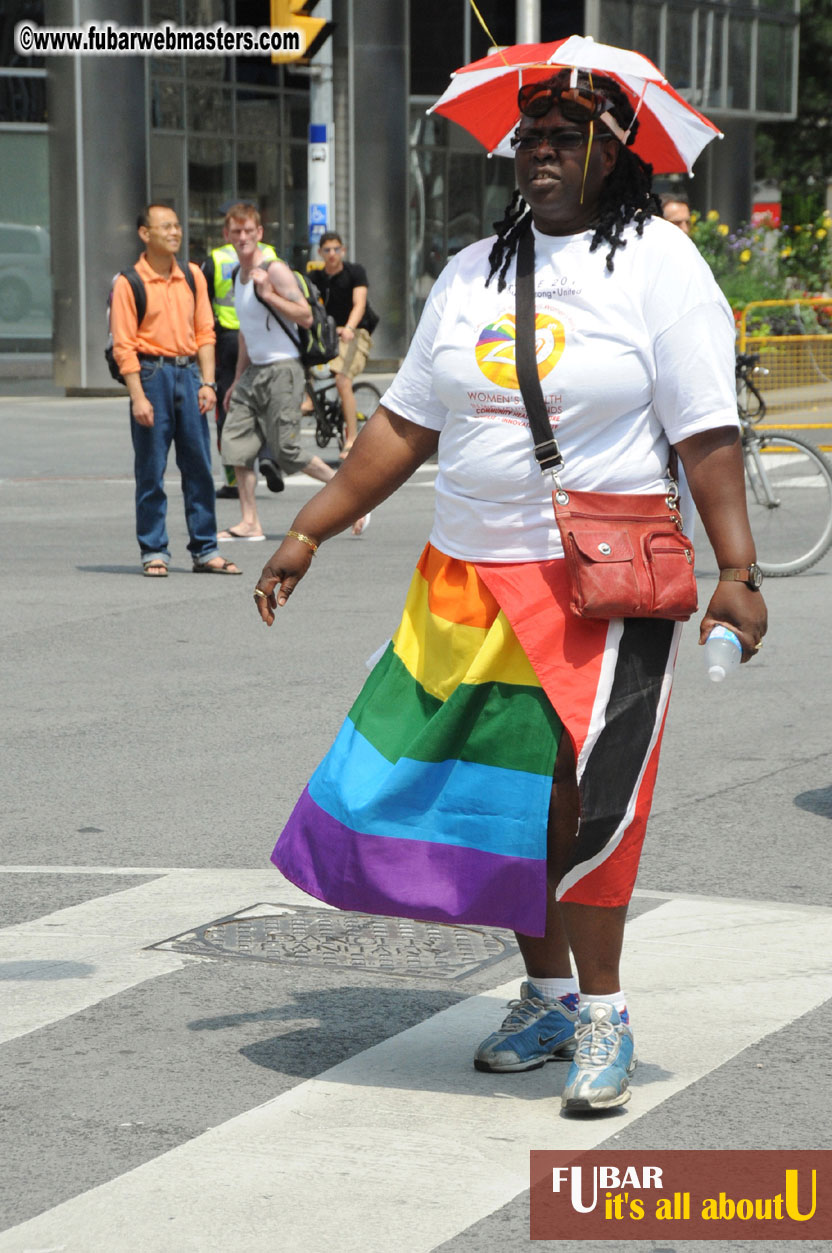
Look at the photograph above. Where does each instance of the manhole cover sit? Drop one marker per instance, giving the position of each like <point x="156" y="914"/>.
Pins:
<point x="326" y="937"/>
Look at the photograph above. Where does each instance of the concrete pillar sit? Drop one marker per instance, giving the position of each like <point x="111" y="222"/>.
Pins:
<point x="725" y="173"/>
<point x="98" y="182"/>
<point x="377" y="50"/>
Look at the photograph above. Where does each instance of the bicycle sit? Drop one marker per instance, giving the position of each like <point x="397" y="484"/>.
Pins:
<point x="329" y="416"/>
<point x="788" y="485"/>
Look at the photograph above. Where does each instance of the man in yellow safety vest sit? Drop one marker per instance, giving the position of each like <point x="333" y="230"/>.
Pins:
<point x="218" y="270"/>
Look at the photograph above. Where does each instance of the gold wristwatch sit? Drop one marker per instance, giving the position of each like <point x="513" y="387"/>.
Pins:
<point x="751" y="575"/>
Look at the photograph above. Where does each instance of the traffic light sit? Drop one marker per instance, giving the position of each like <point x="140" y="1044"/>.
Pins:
<point x="291" y="15"/>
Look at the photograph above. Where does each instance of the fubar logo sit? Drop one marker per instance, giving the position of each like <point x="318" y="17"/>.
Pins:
<point x="682" y="1194"/>
<point x="496" y="346"/>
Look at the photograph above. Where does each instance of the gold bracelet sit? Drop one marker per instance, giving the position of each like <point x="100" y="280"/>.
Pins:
<point x="304" y="539"/>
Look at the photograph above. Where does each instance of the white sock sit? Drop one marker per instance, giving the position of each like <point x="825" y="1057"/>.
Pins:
<point x="554" y="989"/>
<point x="616" y="999"/>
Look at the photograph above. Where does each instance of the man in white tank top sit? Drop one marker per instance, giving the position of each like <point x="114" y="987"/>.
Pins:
<point x="263" y="402"/>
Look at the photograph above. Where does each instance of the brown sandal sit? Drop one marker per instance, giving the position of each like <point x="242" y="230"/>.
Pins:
<point x="155" y="569"/>
<point x="225" y="568"/>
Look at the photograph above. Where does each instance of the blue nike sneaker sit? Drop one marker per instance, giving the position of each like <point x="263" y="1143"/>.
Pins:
<point x="536" y="1031"/>
<point x="599" y="1077"/>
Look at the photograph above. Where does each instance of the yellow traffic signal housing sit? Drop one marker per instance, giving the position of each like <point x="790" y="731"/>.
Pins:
<point x="290" y="15"/>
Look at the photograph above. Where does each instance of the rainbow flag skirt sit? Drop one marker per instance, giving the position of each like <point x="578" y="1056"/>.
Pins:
<point x="433" y="801"/>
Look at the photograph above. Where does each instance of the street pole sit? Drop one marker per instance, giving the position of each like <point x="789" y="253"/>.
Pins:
<point x="527" y="22"/>
<point x="320" y="165"/>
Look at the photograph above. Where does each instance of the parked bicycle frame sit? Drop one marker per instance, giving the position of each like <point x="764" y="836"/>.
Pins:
<point x="329" y="416"/>
<point x="788" y="485"/>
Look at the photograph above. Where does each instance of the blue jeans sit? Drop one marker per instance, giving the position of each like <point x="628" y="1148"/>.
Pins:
<point x="172" y="391"/>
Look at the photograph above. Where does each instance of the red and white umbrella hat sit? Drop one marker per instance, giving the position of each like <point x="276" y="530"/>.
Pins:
<point x="482" y="98"/>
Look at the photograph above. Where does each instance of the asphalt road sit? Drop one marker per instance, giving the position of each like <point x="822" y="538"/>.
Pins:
<point x="155" y="736"/>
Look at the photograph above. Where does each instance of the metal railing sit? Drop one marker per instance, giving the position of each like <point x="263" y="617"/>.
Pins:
<point x="794" y="342"/>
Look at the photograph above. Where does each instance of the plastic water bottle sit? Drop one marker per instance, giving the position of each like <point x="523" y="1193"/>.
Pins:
<point x="723" y="653"/>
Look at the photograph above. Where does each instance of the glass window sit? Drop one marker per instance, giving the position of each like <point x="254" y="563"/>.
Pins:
<point x="427" y="128"/>
<point x="645" y="33"/>
<point x="295" y="229"/>
<point x="210" y="183"/>
<point x="12" y="12"/>
<point x="679" y="49"/>
<point x="499" y="188"/>
<point x="167" y="67"/>
<point x="615" y="23"/>
<point x="215" y="69"/>
<point x="427" y="224"/>
<point x="436" y="45"/>
<point x="709" y="66"/>
<point x="206" y="12"/>
<point x="164" y="11"/>
<point x="464" y="200"/>
<point x="258" y="116"/>
<point x="740" y="35"/>
<point x="774" y="67"/>
<point x="167" y="106"/>
<point x="259" y="180"/>
<point x="257" y="70"/>
<point x="499" y="17"/>
<point x="22" y="99"/>
<point x="297" y="115"/>
<point x="209" y="109"/>
<point x="25" y="271"/>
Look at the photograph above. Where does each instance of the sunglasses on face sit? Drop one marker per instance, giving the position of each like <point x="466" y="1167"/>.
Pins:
<point x="560" y="138"/>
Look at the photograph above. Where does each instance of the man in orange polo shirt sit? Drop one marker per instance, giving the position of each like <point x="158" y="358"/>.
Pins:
<point x="169" y="395"/>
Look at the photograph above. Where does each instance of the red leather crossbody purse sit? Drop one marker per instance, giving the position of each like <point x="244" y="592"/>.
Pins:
<point x="626" y="553"/>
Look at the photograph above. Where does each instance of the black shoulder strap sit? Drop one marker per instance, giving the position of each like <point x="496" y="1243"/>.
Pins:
<point x="270" y="312"/>
<point x="139" y="293"/>
<point x="189" y="278"/>
<point x="545" y="445"/>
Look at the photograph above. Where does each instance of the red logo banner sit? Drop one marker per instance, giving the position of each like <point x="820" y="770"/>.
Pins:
<point x="759" y="1194"/>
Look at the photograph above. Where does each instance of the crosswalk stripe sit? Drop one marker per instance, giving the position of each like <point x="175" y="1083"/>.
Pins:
<point x="64" y="962"/>
<point x="405" y="1145"/>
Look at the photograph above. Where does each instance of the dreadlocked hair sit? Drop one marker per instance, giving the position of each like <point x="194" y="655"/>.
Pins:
<point x="626" y="193"/>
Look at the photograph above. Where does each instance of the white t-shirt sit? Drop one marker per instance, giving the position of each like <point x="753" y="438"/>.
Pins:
<point x="630" y="362"/>
<point x="265" y="338"/>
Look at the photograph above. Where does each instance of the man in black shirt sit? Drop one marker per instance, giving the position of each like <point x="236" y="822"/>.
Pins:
<point x="343" y="287"/>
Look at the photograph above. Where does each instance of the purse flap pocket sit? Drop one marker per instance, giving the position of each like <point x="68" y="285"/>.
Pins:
<point x="603" y="545"/>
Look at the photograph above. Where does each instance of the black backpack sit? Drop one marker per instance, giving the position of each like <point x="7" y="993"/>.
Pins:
<point x="317" y="343"/>
<point x="140" y="301"/>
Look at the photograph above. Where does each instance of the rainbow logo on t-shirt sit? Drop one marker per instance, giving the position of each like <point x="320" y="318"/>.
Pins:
<point x="495" y="348"/>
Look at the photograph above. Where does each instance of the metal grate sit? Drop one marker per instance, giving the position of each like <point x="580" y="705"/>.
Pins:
<point x="326" y="937"/>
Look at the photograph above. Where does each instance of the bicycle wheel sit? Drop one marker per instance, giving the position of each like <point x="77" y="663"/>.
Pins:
<point x="789" y="493"/>
<point x="323" y="425"/>
<point x="367" y="397"/>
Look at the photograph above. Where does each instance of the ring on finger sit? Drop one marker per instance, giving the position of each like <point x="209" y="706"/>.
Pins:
<point x="757" y="647"/>
<point x="257" y="592"/>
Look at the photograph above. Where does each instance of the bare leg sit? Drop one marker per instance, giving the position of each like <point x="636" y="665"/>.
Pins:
<point x="347" y="398"/>
<point x="547" y="956"/>
<point x="317" y="469"/>
<point x="595" y="934"/>
<point x="249" y="523"/>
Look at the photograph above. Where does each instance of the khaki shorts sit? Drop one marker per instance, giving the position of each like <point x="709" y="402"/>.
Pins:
<point x="265" y="409"/>
<point x="352" y="358"/>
